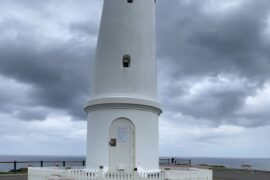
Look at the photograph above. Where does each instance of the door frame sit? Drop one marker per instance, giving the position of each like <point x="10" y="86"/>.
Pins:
<point x="134" y="140"/>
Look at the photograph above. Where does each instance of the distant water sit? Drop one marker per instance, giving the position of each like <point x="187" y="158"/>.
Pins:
<point x="59" y="159"/>
<point x="257" y="163"/>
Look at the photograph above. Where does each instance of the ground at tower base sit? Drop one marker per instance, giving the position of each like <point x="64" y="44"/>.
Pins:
<point x="218" y="174"/>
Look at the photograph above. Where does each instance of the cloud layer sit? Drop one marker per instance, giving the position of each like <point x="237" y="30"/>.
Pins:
<point x="217" y="55"/>
<point x="214" y="64"/>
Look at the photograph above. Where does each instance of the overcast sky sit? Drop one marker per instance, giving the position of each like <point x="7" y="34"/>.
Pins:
<point x="213" y="75"/>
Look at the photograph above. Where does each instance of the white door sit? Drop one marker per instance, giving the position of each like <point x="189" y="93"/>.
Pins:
<point x="121" y="145"/>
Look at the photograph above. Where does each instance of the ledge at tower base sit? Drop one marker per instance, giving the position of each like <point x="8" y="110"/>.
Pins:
<point x="35" y="173"/>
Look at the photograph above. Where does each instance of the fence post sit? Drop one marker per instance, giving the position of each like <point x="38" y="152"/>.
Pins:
<point x="41" y="163"/>
<point x="15" y="166"/>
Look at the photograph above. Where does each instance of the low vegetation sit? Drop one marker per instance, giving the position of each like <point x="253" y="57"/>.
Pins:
<point x="19" y="171"/>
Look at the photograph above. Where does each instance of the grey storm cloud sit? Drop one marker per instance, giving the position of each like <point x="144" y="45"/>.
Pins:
<point x="59" y="76"/>
<point x="83" y="28"/>
<point x="196" y="44"/>
<point x="213" y="71"/>
<point x="199" y="42"/>
<point x="57" y="72"/>
<point x="196" y="47"/>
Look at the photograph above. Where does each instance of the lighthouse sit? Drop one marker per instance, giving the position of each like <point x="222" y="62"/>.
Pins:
<point x="123" y="110"/>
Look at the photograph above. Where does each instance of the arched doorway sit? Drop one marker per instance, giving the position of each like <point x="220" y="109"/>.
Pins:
<point x="122" y="145"/>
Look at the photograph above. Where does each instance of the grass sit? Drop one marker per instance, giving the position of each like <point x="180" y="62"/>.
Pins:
<point x="213" y="166"/>
<point x="19" y="171"/>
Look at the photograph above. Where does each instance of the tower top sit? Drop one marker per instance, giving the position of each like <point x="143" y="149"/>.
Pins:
<point x="125" y="64"/>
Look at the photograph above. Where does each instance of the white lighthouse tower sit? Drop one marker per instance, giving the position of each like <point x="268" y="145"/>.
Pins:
<point x="123" y="111"/>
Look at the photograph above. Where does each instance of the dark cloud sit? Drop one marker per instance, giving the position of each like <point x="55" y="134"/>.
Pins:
<point x="200" y="42"/>
<point x="60" y="77"/>
<point x="213" y="75"/>
<point x="84" y="28"/>
<point x="32" y="114"/>
<point x="196" y="44"/>
<point x="225" y="53"/>
<point x="57" y="71"/>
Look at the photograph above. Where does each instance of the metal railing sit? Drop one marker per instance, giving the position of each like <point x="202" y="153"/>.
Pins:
<point x="16" y="165"/>
<point x="175" y="161"/>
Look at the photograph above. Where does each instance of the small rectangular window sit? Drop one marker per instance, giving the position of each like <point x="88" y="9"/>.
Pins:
<point x="130" y="1"/>
<point x="126" y="61"/>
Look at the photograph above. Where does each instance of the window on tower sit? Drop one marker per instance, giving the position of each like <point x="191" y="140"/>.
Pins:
<point x="126" y="61"/>
<point x="130" y="1"/>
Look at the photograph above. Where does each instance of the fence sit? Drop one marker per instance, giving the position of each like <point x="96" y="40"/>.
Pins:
<point x="175" y="161"/>
<point x="15" y="165"/>
<point x="23" y="164"/>
<point x="62" y="174"/>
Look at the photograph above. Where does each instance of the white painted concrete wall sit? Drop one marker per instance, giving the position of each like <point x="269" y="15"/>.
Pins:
<point x="126" y="28"/>
<point x="35" y="173"/>
<point x="146" y="137"/>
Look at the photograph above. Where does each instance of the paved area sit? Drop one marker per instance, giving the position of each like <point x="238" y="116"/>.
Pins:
<point x="240" y="175"/>
<point x="218" y="175"/>
<point x="13" y="177"/>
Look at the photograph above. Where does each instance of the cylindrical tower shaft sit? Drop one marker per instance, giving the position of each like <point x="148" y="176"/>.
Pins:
<point x="127" y="33"/>
<point x="122" y="129"/>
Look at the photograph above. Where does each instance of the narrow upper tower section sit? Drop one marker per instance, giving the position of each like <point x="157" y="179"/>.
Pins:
<point x="125" y="64"/>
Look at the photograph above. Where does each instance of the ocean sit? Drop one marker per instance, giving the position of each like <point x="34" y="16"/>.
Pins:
<point x="256" y="163"/>
<point x="60" y="159"/>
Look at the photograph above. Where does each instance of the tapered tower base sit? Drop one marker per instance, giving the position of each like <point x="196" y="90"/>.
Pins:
<point x="123" y="135"/>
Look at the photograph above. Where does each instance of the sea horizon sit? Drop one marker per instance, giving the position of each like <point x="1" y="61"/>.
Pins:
<point x="165" y="156"/>
<point x="235" y="162"/>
